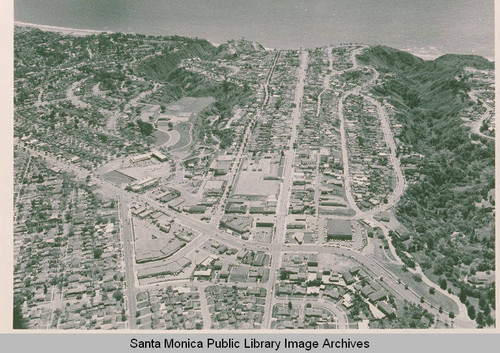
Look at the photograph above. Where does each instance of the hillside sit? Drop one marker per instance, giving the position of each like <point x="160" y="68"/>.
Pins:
<point x="456" y="173"/>
<point x="159" y="67"/>
<point x="235" y="48"/>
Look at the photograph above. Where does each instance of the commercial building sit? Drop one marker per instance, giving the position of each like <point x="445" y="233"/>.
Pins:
<point x="338" y="229"/>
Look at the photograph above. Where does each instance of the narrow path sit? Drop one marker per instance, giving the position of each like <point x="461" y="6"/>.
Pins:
<point x="490" y="111"/>
<point x="205" y="313"/>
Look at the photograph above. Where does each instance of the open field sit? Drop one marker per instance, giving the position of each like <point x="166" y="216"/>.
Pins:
<point x="161" y="137"/>
<point x="189" y="105"/>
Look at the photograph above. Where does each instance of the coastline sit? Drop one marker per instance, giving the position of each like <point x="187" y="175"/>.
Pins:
<point x="85" y="32"/>
<point x="430" y="53"/>
<point x="63" y="30"/>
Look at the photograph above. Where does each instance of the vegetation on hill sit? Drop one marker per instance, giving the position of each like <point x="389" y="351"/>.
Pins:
<point x="232" y="48"/>
<point x="456" y="172"/>
<point x="182" y="83"/>
<point x="159" y="67"/>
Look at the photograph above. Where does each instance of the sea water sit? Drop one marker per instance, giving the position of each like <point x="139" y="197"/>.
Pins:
<point x="425" y="27"/>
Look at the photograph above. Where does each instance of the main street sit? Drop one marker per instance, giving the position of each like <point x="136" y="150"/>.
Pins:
<point x="284" y="195"/>
<point x="128" y="240"/>
<point x="233" y="174"/>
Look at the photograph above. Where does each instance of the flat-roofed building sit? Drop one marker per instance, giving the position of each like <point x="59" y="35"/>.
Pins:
<point x="140" y="157"/>
<point x="338" y="229"/>
<point x="159" y="156"/>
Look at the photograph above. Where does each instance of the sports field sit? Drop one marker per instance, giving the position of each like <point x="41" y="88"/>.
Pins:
<point x="161" y="137"/>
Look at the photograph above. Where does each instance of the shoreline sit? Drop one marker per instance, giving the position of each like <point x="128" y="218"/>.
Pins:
<point x="64" y="30"/>
<point x="430" y="53"/>
<point x="79" y="31"/>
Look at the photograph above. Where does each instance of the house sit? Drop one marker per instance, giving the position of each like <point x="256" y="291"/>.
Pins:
<point x="374" y="297"/>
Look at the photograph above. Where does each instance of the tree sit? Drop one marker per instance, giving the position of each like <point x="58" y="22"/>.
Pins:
<point x="480" y="319"/>
<point x="97" y="253"/>
<point x="290" y="305"/>
<point x="462" y="296"/>
<point x="471" y="311"/>
<point x="118" y="295"/>
<point x="145" y="128"/>
<point x="482" y="303"/>
<point x="19" y="322"/>
<point x="442" y="283"/>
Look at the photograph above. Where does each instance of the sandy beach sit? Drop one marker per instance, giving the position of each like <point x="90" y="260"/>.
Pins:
<point x="63" y="30"/>
<point x="82" y="32"/>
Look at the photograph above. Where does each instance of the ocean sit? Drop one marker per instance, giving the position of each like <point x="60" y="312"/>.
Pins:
<point x="427" y="28"/>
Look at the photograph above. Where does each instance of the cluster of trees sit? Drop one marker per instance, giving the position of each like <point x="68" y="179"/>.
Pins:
<point x="145" y="128"/>
<point x="18" y="321"/>
<point x="412" y="316"/>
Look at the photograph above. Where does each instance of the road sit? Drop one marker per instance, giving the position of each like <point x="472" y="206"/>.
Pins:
<point x="284" y="195"/>
<point x="111" y="124"/>
<point x="128" y="249"/>
<point x="20" y="184"/>
<point x="70" y="94"/>
<point x="461" y="318"/>
<point x="268" y="78"/>
<point x="490" y="111"/>
<point x="394" y="160"/>
<point x="204" y="230"/>
<point x="326" y="86"/>
<point x="343" y="140"/>
<point x="335" y="311"/>
<point x="233" y="173"/>
<point x="377" y="270"/>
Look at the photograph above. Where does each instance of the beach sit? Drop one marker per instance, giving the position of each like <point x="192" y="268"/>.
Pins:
<point x="82" y="32"/>
<point x="63" y="30"/>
